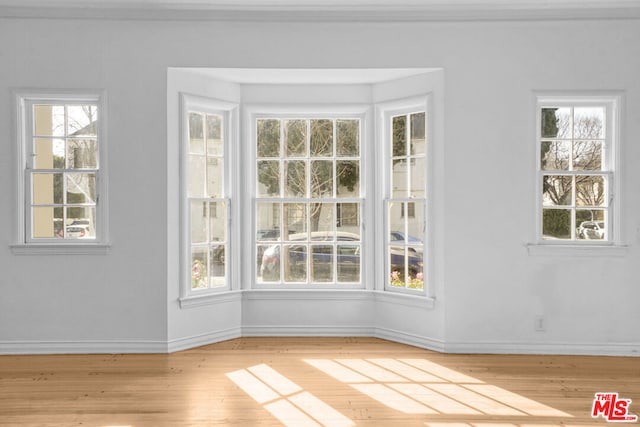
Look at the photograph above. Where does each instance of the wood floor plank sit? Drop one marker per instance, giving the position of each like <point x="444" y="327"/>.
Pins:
<point x="331" y="382"/>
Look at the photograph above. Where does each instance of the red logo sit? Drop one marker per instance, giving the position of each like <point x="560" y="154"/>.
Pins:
<point x="612" y="408"/>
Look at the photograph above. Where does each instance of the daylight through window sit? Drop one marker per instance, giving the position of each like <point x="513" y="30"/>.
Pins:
<point x="407" y="203"/>
<point x="62" y="170"/>
<point x="308" y="206"/>
<point x="575" y="171"/>
<point x="207" y="205"/>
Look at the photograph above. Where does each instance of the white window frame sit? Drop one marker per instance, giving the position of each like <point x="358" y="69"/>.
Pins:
<point x="25" y="244"/>
<point x="385" y="112"/>
<point x="229" y="112"/>
<point x="611" y="169"/>
<point x="252" y="113"/>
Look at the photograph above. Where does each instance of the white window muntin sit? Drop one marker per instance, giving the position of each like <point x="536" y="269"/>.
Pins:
<point x="228" y="112"/>
<point x="608" y="171"/>
<point x="306" y="112"/>
<point x="27" y="136"/>
<point x="386" y="112"/>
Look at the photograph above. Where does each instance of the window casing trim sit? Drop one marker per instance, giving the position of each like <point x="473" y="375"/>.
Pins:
<point x="613" y="103"/>
<point x="229" y="112"/>
<point x="384" y="112"/>
<point x="252" y="112"/>
<point x="24" y="244"/>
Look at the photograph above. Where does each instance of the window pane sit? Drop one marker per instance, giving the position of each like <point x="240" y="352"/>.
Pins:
<point x="555" y="155"/>
<point x="415" y="222"/>
<point x="418" y="135"/>
<point x="590" y="191"/>
<point x="268" y="178"/>
<point x="415" y="278"/>
<point x="199" y="269"/>
<point x="397" y="220"/>
<point x="270" y="267"/>
<point x="199" y="222"/>
<point x="295" y="137"/>
<point x="217" y="262"/>
<point x="591" y="224"/>
<point x="348" y="135"/>
<point x="196" y="176"/>
<point x="556" y="123"/>
<point x="348" y="217"/>
<point x="81" y="188"/>
<point x="321" y="139"/>
<point x="399" y="174"/>
<point x="80" y="223"/>
<point x="322" y="178"/>
<point x="196" y="133"/>
<point x="214" y="135"/>
<point x="322" y="218"/>
<point x="557" y="190"/>
<point x="556" y="224"/>
<point x="215" y="168"/>
<point x="348" y="178"/>
<point x="418" y="170"/>
<point x="587" y="155"/>
<point x="589" y="123"/>
<point x="47" y="188"/>
<point x="322" y="263"/>
<point x="399" y="136"/>
<point x="49" y="153"/>
<point x="48" y="120"/>
<point x="82" y="120"/>
<point x="294" y="263"/>
<point x="348" y="263"/>
<point x="397" y="266"/>
<point x="296" y="182"/>
<point x="268" y="138"/>
<point x="82" y="153"/>
<point x="217" y="222"/>
<point x="295" y="219"/>
<point x="47" y="222"/>
<point x="268" y="221"/>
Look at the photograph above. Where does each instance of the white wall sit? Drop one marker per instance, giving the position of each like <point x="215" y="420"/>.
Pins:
<point x="489" y="288"/>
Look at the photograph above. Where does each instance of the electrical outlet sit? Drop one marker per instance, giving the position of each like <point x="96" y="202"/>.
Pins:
<point x="539" y="324"/>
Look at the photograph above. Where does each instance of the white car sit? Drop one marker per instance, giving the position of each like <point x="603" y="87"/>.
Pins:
<point x="591" y="230"/>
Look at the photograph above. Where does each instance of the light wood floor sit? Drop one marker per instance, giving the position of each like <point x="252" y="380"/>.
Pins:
<point x="294" y="382"/>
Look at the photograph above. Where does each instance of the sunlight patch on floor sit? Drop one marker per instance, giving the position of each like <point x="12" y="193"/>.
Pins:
<point x="393" y="399"/>
<point x="495" y="424"/>
<point x="286" y="400"/>
<point x="419" y="386"/>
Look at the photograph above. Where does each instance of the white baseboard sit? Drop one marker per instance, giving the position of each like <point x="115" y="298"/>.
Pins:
<point x="307" y="331"/>
<point x="124" y="347"/>
<point x="410" y="339"/>
<point x="82" y="347"/>
<point x="580" y="349"/>
<point x="203" y="339"/>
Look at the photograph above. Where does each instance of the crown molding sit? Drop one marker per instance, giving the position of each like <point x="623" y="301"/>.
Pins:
<point x="322" y="10"/>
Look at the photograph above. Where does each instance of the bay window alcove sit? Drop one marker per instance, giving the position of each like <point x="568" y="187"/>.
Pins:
<point x="302" y="202"/>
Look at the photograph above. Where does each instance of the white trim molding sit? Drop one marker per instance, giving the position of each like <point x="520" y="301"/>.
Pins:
<point x="323" y="10"/>
<point x="83" y="347"/>
<point x="544" y="348"/>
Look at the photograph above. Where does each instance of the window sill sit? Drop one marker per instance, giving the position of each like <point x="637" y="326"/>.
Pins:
<point x="419" y="301"/>
<point x="60" y="249"/>
<point x="573" y="250"/>
<point x="210" y="299"/>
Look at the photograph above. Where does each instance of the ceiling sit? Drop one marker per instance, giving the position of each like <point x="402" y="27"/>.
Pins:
<point x="323" y="10"/>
